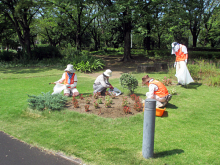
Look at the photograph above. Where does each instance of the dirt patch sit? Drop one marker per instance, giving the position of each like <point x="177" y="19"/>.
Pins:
<point x="115" y="111"/>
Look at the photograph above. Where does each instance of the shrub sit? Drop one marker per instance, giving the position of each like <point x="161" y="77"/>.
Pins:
<point x="45" y="51"/>
<point x="128" y="81"/>
<point x="47" y="101"/>
<point x="87" y="63"/>
<point x="7" y="56"/>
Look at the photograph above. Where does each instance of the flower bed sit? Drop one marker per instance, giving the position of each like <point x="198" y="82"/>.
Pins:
<point x="115" y="110"/>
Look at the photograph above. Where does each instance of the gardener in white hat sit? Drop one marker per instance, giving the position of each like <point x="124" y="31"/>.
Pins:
<point x="69" y="79"/>
<point x="157" y="91"/>
<point x="102" y="82"/>
<point x="181" y="53"/>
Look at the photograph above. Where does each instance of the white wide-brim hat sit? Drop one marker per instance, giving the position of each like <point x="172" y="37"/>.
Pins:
<point x="70" y="68"/>
<point x="108" y="73"/>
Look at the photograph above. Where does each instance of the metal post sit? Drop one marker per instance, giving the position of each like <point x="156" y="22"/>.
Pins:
<point x="148" y="128"/>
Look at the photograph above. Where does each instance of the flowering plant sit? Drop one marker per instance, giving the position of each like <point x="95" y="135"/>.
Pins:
<point x="133" y="96"/>
<point x="86" y="108"/>
<point x="88" y="101"/>
<point x="75" y="103"/>
<point x="125" y="101"/>
<point x="138" y="106"/>
<point x="107" y="104"/>
<point x="96" y="95"/>
<point x="126" y="109"/>
<point x="113" y="95"/>
<point x="96" y="105"/>
<point x="166" y="81"/>
<point x="99" y="100"/>
<point x="81" y="96"/>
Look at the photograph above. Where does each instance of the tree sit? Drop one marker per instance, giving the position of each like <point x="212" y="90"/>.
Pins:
<point x="20" y="13"/>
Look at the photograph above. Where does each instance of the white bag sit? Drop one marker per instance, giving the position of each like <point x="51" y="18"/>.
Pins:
<point x="116" y="91"/>
<point x="183" y="75"/>
<point x="58" y="88"/>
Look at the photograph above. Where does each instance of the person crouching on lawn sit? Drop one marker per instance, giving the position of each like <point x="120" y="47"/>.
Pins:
<point x="69" y="79"/>
<point x="102" y="82"/>
<point x="157" y="91"/>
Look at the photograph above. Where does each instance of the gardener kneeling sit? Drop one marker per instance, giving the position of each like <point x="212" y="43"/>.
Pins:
<point x="70" y="81"/>
<point x="101" y="83"/>
<point x="157" y="91"/>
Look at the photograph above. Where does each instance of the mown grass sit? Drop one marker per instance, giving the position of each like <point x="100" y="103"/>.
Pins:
<point x="189" y="135"/>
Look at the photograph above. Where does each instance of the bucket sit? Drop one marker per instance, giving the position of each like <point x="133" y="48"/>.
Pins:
<point x="159" y="111"/>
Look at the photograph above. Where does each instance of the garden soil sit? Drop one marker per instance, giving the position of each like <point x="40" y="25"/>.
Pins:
<point x="116" y="109"/>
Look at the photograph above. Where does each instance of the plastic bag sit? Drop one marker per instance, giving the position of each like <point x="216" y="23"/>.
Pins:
<point x="183" y="75"/>
<point x="116" y="91"/>
<point x="58" y="88"/>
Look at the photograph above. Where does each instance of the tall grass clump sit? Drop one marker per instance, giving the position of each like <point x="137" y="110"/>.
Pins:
<point x="202" y="71"/>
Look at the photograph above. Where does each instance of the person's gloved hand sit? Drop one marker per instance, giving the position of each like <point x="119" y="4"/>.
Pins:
<point x="111" y="87"/>
<point x="67" y="85"/>
<point x="185" y="60"/>
<point x="174" y="64"/>
<point x="72" y="85"/>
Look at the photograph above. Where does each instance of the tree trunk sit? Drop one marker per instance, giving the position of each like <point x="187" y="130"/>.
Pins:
<point x="127" y="38"/>
<point x="147" y="40"/>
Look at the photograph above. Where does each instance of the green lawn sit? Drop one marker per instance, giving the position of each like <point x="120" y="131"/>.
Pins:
<point x="189" y="135"/>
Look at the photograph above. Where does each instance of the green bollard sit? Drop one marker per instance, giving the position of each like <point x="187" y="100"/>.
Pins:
<point x="149" y="128"/>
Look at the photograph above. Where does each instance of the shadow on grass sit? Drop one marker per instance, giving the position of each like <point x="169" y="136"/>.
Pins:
<point x="192" y="86"/>
<point x="168" y="153"/>
<point x="171" y="106"/>
<point x="22" y="70"/>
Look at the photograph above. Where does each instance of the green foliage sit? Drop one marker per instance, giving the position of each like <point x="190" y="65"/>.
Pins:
<point x="128" y="81"/>
<point x="87" y="63"/>
<point x="47" y="101"/>
<point x="7" y="55"/>
<point x="172" y="91"/>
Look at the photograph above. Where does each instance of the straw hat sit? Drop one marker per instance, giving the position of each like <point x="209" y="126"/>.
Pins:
<point x="70" y="68"/>
<point x="145" y="79"/>
<point x="108" y="73"/>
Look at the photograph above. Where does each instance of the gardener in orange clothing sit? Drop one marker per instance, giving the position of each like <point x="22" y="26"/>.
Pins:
<point x="69" y="79"/>
<point x="157" y="91"/>
<point x="181" y="53"/>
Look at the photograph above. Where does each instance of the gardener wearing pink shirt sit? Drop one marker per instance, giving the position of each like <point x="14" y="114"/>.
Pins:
<point x="69" y="79"/>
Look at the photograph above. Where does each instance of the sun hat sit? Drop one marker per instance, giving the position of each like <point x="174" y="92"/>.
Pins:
<point x="108" y="73"/>
<point x="70" y="68"/>
<point x="174" y="44"/>
<point x="145" y="79"/>
<point x="175" y="47"/>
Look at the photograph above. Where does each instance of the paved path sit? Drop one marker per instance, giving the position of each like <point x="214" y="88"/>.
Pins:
<point x="15" y="152"/>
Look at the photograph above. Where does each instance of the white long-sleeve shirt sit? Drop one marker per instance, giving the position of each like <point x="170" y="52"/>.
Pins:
<point x="152" y="88"/>
<point x="101" y="79"/>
